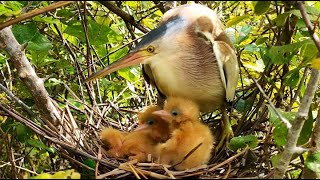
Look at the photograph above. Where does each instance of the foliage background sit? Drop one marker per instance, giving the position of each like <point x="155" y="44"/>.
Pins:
<point x="272" y="43"/>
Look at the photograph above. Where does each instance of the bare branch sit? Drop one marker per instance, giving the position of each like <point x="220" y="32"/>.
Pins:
<point x="34" y="13"/>
<point x="29" y="77"/>
<point x="36" y="128"/>
<point x="306" y="19"/>
<point x="161" y="7"/>
<point x="283" y="119"/>
<point x="19" y="102"/>
<point x="229" y="160"/>
<point x="125" y="16"/>
<point x="89" y="56"/>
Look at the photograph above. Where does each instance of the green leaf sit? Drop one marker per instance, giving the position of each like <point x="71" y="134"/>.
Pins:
<point x="42" y="176"/>
<point x="67" y="174"/>
<point x="12" y="8"/>
<point x="50" y="20"/>
<point x="148" y="23"/>
<point x="232" y="34"/>
<point x="261" y="40"/>
<point x="133" y="4"/>
<point x="91" y="163"/>
<point x="39" y="43"/>
<point x="280" y="134"/>
<point x="119" y="54"/>
<point x="241" y="105"/>
<point x="89" y="174"/>
<point x="53" y="82"/>
<point x="302" y="25"/>
<point x="23" y="132"/>
<point x="280" y="129"/>
<point x="295" y="12"/>
<point x="7" y="12"/>
<point x="235" y="20"/>
<point x="281" y="19"/>
<point x="258" y="66"/>
<point x="313" y="162"/>
<point x="242" y="141"/>
<point x="310" y="11"/>
<point x="244" y="32"/>
<point x="261" y="7"/>
<point x="292" y="77"/>
<point x="37" y="143"/>
<point x="131" y="74"/>
<point x="251" y="48"/>
<point x="77" y="104"/>
<point x="275" y="159"/>
<point x="2" y="59"/>
<point x="24" y="33"/>
<point x="64" y="13"/>
<point x="110" y="85"/>
<point x="283" y="54"/>
<point x="28" y="33"/>
<point x="51" y="150"/>
<point x="98" y="34"/>
<point x="306" y="129"/>
<point x="309" y="52"/>
<point x="101" y="50"/>
<point x="244" y="104"/>
<point x="38" y="58"/>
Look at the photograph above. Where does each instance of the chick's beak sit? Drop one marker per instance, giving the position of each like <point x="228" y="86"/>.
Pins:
<point x="162" y="114"/>
<point x="141" y="127"/>
<point x="131" y="59"/>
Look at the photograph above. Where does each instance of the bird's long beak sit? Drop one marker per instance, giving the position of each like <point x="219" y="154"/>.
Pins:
<point x="162" y="114"/>
<point x="130" y="59"/>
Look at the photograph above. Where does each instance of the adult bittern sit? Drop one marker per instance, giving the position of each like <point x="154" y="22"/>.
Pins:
<point x="188" y="55"/>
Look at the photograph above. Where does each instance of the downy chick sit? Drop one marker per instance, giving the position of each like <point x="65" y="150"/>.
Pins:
<point x="188" y="134"/>
<point x="151" y="131"/>
<point x="113" y="138"/>
<point x="141" y="142"/>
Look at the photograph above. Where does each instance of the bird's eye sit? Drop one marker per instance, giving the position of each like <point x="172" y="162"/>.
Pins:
<point x="174" y="113"/>
<point x="150" y="121"/>
<point x="150" y="49"/>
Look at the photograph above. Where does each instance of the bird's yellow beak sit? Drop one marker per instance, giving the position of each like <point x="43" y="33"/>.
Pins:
<point x="131" y="59"/>
<point x="162" y="114"/>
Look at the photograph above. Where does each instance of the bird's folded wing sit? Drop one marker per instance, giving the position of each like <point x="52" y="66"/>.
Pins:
<point x="228" y="67"/>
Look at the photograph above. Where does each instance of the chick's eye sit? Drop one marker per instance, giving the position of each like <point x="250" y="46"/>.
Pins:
<point x="174" y="112"/>
<point x="150" y="49"/>
<point x="150" y="121"/>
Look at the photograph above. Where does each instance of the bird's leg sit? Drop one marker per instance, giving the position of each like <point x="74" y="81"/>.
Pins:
<point x="227" y="132"/>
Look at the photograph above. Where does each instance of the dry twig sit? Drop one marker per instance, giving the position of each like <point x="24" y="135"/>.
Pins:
<point x="34" y="13"/>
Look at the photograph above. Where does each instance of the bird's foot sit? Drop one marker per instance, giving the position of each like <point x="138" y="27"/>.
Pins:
<point x="227" y="134"/>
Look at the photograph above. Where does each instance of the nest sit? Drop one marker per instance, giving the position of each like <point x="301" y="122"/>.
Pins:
<point x="78" y="140"/>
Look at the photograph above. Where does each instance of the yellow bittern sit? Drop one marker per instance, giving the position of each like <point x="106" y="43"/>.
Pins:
<point x="189" y="55"/>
